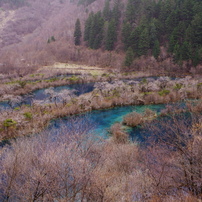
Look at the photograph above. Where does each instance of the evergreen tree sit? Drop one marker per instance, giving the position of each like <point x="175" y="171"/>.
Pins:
<point x="88" y="25"/>
<point x="172" y="21"/>
<point x="107" y="11"/>
<point x="172" y="42"/>
<point x="177" y="53"/>
<point x="166" y="7"/>
<point x="77" y="33"/>
<point x="111" y="35"/>
<point x="153" y="34"/>
<point x="156" y="49"/>
<point x="129" y="57"/>
<point x="144" y="42"/>
<point x="134" y="40"/>
<point x="186" y="51"/>
<point x="126" y="33"/>
<point x="186" y="12"/>
<point x="197" y="29"/>
<point x="116" y="12"/>
<point x="132" y="9"/>
<point x="96" y="31"/>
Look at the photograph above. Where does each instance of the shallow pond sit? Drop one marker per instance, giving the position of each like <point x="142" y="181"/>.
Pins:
<point x="42" y="96"/>
<point x="4" y="105"/>
<point x="79" y="90"/>
<point x="98" y="122"/>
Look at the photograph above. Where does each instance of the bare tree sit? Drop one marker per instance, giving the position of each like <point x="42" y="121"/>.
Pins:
<point x="174" y="156"/>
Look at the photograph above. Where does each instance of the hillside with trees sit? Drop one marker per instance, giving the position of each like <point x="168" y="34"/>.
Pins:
<point x="147" y="25"/>
<point x="135" y="34"/>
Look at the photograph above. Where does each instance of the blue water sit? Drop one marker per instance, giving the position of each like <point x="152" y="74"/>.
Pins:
<point x="4" y="105"/>
<point x="41" y="95"/>
<point x="97" y="122"/>
<point x="79" y="90"/>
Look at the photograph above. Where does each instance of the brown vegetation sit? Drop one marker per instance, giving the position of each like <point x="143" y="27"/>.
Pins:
<point x="76" y="167"/>
<point x="105" y="95"/>
<point x="133" y="119"/>
<point x="177" y="154"/>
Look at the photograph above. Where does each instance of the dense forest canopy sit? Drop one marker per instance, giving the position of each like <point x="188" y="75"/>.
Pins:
<point x="146" y="25"/>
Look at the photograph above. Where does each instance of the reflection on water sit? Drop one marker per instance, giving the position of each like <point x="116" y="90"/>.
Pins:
<point x="99" y="120"/>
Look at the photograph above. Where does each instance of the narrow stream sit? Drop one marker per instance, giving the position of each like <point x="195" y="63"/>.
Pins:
<point x="80" y="89"/>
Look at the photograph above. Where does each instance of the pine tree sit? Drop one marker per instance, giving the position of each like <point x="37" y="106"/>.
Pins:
<point x="129" y="57"/>
<point x="177" y="53"/>
<point x="144" y="42"/>
<point x="172" y="21"/>
<point x="77" y="33"/>
<point x="96" y="31"/>
<point x="153" y="34"/>
<point x="126" y="33"/>
<point x="106" y="11"/>
<point x="186" y="51"/>
<point x="88" y="25"/>
<point x="172" y="42"/>
<point x="111" y="35"/>
<point x="134" y="40"/>
<point x="116" y="12"/>
<point x="156" y="49"/>
<point x="197" y="29"/>
<point x="132" y="10"/>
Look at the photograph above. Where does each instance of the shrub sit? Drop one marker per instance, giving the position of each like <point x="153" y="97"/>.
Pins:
<point x="177" y="86"/>
<point x="163" y="92"/>
<point x="28" y="115"/>
<point x="133" y="119"/>
<point x="105" y="75"/>
<point x="74" y="78"/>
<point x="144" y="81"/>
<point x="22" y="83"/>
<point x="118" y="135"/>
<point x="9" y="122"/>
<point x="52" y="80"/>
<point x="149" y="115"/>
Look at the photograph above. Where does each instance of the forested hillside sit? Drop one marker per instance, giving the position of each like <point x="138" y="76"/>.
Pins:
<point x="139" y="34"/>
<point x="147" y="25"/>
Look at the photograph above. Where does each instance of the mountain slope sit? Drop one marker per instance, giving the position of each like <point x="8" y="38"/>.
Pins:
<point x="40" y="33"/>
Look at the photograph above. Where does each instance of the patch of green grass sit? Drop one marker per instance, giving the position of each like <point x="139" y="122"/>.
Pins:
<point x="28" y="115"/>
<point x="147" y="93"/>
<point x="33" y="75"/>
<point x="178" y="86"/>
<point x="11" y="82"/>
<point x="22" y="83"/>
<point x="51" y="80"/>
<point x="34" y="82"/>
<point x="125" y="74"/>
<point x="144" y="81"/>
<point x="9" y="122"/>
<point x="199" y="85"/>
<point x="163" y="92"/>
<point x="73" y="78"/>
<point x="105" y="75"/>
